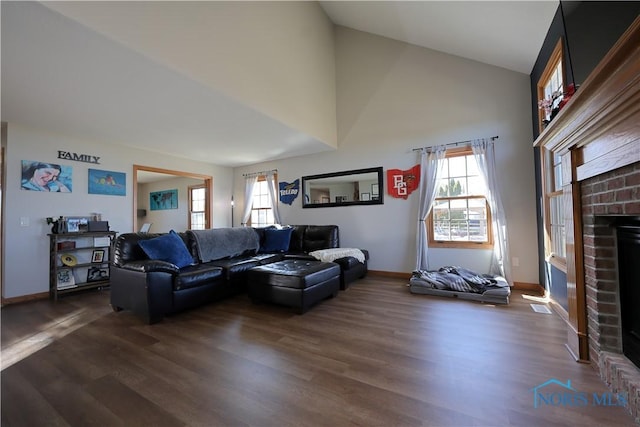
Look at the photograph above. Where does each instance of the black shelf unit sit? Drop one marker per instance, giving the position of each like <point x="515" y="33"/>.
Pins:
<point x="93" y="256"/>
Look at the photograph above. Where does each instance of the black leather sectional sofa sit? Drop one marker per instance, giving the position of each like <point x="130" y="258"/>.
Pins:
<point x="152" y="288"/>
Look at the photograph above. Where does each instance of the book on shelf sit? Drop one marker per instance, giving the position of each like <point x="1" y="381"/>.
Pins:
<point x="67" y="244"/>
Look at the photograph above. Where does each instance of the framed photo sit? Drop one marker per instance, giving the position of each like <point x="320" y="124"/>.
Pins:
<point x="65" y="279"/>
<point x="98" y="255"/>
<point x="365" y="197"/>
<point x="73" y="225"/>
<point x="107" y="182"/>
<point x="375" y="190"/>
<point x="95" y="274"/>
<point x="161" y="200"/>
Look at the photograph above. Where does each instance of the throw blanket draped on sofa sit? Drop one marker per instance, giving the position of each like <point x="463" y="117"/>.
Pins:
<point x="219" y="243"/>
<point x="329" y="255"/>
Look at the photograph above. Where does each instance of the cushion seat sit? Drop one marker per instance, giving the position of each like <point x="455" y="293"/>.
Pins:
<point x="294" y="273"/>
<point x="196" y="275"/>
<point x="236" y="265"/>
<point x="294" y="282"/>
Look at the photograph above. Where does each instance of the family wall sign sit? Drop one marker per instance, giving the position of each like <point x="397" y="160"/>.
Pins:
<point x="86" y="158"/>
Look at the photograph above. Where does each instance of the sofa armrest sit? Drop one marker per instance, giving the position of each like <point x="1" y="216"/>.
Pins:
<point x="149" y="295"/>
<point x="150" y="266"/>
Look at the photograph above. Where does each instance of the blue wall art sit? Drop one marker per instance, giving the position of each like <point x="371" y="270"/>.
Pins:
<point x="107" y="182"/>
<point x="160" y="200"/>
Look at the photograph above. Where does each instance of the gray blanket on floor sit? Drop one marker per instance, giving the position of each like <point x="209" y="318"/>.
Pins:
<point x="219" y="243"/>
<point x="454" y="279"/>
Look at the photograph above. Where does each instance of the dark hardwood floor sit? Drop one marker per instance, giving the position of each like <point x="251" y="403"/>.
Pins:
<point x="374" y="356"/>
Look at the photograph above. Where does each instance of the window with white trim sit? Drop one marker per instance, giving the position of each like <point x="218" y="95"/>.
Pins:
<point x="261" y="209"/>
<point x="197" y="201"/>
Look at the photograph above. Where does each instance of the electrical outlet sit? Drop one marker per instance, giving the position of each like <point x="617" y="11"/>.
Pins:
<point x="24" y="221"/>
<point x="515" y="261"/>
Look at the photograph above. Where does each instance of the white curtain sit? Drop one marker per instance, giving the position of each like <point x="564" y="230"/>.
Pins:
<point x="431" y="163"/>
<point x="273" y="196"/>
<point x="484" y="154"/>
<point x="249" y="183"/>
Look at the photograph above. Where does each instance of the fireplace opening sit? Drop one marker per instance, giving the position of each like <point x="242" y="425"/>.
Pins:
<point x="628" y="239"/>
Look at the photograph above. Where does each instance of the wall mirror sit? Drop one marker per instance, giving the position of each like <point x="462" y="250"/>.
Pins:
<point x="347" y="188"/>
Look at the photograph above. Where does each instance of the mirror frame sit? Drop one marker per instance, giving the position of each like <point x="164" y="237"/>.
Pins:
<point x="379" y="201"/>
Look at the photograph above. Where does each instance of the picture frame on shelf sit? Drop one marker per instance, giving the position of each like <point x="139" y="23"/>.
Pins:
<point x="96" y="274"/>
<point x="65" y="279"/>
<point x="98" y="255"/>
<point x="77" y="224"/>
<point x="73" y="225"/>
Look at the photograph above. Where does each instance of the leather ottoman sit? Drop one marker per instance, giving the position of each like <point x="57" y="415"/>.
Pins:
<point x="294" y="283"/>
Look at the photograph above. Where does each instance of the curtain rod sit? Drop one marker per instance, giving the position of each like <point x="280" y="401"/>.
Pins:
<point x="259" y="173"/>
<point x="454" y="143"/>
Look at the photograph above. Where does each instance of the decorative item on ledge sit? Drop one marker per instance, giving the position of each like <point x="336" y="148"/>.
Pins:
<point x="57" y="225"/>
<point x="554" y="104"/>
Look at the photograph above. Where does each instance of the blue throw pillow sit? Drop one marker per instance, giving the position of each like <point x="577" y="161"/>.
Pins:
<point x="276" y="240"/>
<point x="168" y="247"/>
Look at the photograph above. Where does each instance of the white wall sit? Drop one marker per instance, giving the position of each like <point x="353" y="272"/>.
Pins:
<point x="276" y="57"/>
<point x="26" y="249"/>
<point x="393" y="97"/>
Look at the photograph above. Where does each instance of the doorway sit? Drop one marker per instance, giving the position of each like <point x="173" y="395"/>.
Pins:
<point x="146" y="174"/>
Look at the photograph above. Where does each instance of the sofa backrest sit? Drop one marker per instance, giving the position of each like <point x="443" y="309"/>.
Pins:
<point x="307" y="238"/>
<point x="219" y="243"/>
<point x="127" y="249"/>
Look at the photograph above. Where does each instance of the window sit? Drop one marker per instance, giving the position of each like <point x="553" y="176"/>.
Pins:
<point x="460" y="217"/>
<point x="551" y="86"/>
<point x="261" y="210"/>
<point x="555" y="248"/>
<point x="197" y="204"/>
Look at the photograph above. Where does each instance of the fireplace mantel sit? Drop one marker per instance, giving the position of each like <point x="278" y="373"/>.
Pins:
<point x="597" y="131"/>
<point x="605" y="107"/>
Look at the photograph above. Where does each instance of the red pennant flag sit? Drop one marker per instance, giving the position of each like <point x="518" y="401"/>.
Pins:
<point x="402" y="183"/>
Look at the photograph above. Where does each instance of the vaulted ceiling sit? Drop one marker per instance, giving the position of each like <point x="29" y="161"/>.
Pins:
<point x="52" y="79"/>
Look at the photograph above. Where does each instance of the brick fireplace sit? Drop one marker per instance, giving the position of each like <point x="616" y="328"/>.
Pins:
<point x="597" y="137"/>
<point x="606" y="198"/>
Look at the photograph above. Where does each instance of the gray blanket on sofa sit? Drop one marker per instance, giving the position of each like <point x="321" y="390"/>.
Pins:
<point x="219" y="243"/>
